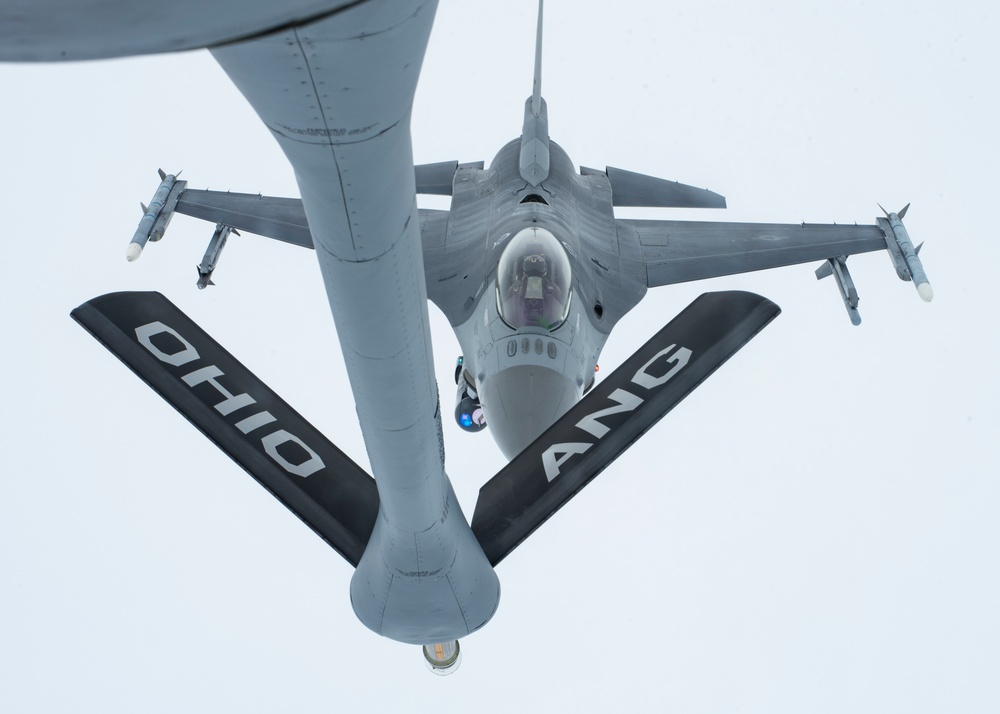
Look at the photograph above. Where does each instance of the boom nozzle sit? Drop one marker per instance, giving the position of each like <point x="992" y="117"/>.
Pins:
<point x="443" y="659"/>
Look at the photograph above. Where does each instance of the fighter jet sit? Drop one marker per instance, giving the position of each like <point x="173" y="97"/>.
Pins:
<point x="529" y="264"/>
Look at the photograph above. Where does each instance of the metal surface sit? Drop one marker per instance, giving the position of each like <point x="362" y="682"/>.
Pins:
<point x="344" y="126"/>
<point x="56" y="30"/>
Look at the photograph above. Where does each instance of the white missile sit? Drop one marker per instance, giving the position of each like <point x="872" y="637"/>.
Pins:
<point x="150" y="216"/>
<point x="133" y="251"/>
<point x="909" y="253"/>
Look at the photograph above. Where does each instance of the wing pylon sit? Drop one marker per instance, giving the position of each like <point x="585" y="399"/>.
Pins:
<point x="682" y="251"/>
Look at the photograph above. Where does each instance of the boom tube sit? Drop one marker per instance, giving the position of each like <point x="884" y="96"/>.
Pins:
<point x="337" y="96"/>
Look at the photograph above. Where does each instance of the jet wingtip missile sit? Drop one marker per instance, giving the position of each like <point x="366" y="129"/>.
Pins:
<point x="904" y="256"/>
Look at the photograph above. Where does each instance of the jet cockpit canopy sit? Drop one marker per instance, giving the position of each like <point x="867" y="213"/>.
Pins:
<point x="533" y="281"/>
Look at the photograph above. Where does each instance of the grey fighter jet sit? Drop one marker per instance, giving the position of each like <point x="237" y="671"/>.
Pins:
<point x="530" y="265"/>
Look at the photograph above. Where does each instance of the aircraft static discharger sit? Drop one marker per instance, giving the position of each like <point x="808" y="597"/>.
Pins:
<point x="529" y="264"/>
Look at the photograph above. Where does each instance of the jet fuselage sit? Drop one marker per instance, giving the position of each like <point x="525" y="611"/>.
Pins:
<point x="532" y="340"/>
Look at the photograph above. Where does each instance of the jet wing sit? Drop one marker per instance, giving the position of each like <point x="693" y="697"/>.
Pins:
<point x="279" y="218"/>
<point x="282" y="219"/>
<point x="679" y="251"/>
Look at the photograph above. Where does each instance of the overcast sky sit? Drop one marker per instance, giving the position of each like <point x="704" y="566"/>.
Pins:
<point x="815" y="529"/>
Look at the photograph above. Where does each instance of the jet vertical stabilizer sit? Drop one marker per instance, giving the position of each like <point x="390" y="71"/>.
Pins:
<point x="534" y="165"/>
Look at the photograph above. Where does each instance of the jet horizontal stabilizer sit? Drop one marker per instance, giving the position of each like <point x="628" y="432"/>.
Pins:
<point x="287" y="455"/>
<point x="435" y="179"/>
<point x="638" y="190"/>
<point x="595" y="432"/>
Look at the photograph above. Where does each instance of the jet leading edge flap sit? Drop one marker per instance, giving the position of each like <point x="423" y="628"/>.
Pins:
<point x="232" y="407"/>
<point x="595" y="432"/>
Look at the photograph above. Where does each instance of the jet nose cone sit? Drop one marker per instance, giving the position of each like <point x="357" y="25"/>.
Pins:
<point x="521" y="402"/>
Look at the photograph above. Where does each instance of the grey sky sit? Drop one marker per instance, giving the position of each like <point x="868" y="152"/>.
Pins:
<point x="813" y="530"/>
